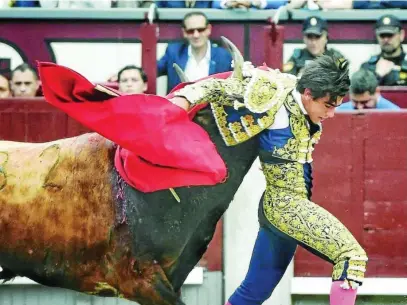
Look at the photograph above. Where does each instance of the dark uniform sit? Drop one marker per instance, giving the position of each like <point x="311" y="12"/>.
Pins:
<point x="312" y="26"/>
<point x="389" y="24"/>
<point x="301" y="57"/>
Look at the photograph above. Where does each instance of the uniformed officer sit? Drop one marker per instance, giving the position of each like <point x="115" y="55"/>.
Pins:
<point x="390" y="66"/>
<point x="315" y="34"/>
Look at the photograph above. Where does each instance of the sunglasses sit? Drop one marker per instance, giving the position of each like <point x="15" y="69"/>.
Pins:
<point x="192" y="31"/>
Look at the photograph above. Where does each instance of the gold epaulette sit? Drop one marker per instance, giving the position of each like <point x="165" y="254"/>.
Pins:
<point x="267" y="88"/>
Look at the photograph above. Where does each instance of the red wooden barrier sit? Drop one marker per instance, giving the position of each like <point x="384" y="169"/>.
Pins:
<point x="397" y="95"/>
<point x="149" y="38"/>
<point x="360" y="173"/>
<point x="273" y="45"/>
<point x="34" y="120"/>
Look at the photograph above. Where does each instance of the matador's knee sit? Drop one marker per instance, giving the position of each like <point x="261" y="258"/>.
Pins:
<point x="350" y="266"/>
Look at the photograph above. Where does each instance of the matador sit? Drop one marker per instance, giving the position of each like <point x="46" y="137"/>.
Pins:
<point x="285" y="113"/>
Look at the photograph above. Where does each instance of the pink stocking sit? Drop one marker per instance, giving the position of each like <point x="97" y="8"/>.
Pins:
<point x="341" y="296"/>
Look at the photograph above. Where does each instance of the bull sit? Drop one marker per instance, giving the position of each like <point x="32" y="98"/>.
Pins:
<point x="68" y="220"/>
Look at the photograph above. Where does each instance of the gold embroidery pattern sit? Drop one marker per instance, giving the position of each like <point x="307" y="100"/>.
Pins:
<point x="263" y="122"/>
<point x="212" y="90"/>
<point x="266" y="88"/>
<point x="301" y="133"/>
<point x="239" y="134"/>
<point x="221" y="93"/>
<point x="293" y="107"/>
<point x="301" y="146"/>
<point x="314" y="140"/>
<point x="288" y="152"/>
<point x="261" y="94"/>
<point x="270" y="116"/>
<point x="250" y="126"/>
<point x="287" y="208"/>
<point x="220" y="115"/>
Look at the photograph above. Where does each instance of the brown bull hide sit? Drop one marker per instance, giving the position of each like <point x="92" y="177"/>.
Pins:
<point x="68" y="220"/>
<point x="57" y="208"/>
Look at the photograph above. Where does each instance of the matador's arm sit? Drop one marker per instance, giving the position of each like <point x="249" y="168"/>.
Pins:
<point x="213" y="90"/>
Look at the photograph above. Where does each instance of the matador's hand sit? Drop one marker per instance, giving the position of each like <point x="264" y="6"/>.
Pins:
<point x="181" y="102"/>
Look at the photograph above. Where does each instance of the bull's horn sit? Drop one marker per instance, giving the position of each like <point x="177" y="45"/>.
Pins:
<point x="181" y="74"/>
<point x="237" y="58"/>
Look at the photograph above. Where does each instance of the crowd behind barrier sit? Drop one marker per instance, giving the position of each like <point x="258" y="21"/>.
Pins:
<point x="215" y="4"/>
<point x="247" y="36"/>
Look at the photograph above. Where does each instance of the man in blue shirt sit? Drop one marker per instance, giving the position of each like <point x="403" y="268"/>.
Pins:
<point x="197" y="56"/>
<point x="365" y="94"/>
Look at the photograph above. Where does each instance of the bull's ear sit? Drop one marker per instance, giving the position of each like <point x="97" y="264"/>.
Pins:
<point x="181" y="74"/>
<point x="238" y="59"/>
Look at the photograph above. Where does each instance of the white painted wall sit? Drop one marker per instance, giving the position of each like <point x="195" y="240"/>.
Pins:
<point x="98" y="61"/>
<point x="241" y="227"/>
<point x="8" y="51"/>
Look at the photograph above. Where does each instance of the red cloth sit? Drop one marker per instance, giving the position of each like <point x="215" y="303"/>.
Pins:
<point x="159" y="146"/>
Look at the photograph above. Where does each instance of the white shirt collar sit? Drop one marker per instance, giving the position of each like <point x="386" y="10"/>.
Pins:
<point x="207" y="54"/>
<point x="297" y="97"/>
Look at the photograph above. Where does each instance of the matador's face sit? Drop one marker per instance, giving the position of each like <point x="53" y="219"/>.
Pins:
<point x="319" y="109"/>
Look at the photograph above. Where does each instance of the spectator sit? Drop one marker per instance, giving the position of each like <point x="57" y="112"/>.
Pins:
<point x="365" y="93"/>
<point x="379" y="4"/>
<point x="24" y="81"/>
<point x="76" y="4"/>
<point x="24" y="3"/>
<point x="198" y="57"/>
<point x="185" y="4"/>
<point x="4" y="87"/>
<point x="346" y="4"/>
<point x="132" y="80"/>
<point x="131" y="3"/>
<point x="390" y="65"/>
<point x="315" y="35"/>
<point x="321" y="4"/>
<point x="259" y="4"/>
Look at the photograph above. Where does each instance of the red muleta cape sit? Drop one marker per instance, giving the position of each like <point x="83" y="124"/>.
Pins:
<point x="159" y="146"/>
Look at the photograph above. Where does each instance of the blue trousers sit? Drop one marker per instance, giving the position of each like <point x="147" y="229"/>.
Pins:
<point x="271" y="256"/>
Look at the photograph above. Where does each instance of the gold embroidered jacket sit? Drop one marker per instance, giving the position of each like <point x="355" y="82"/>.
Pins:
<point x="244" y="108"/>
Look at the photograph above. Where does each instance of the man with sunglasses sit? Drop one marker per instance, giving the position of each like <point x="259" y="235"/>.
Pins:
<point x="365" y="93"/>
<point x="390" y="66"/>
<point x="197" y="56"/>
<point x="315" y="35"/>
